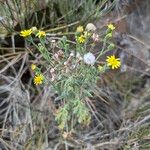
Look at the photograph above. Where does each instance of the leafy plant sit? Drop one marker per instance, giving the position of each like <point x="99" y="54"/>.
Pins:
<point x="72" y="72"/>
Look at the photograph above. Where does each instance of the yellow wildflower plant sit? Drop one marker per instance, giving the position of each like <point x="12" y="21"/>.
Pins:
<point x="111" y="26"/>
<point x="33" y="67"/>
<point x="41" y="34"/>
<point x="72" y="69"/>
<point x="113" y="62"/>
<point x="80" y="29"/>
<point x="38" y="79"/>
<point x="26" y="33"/>
<point x="81" y="39"/>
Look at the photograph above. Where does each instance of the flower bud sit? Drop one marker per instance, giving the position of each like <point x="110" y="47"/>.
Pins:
<point x="111" y="46"/>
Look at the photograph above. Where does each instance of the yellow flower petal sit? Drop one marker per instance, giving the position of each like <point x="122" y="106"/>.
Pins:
<point x="38" y="79"/>
<point x="80" y="29"/>
<point x="33" y="66"/>
<point x="41" y="34"/>
<point x="26" y="33"/>
<point x="81" y="39"/>
<point x="111" y="26"/>
<point x="113" y="62"/>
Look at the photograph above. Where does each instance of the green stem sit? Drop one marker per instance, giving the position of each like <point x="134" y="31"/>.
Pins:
<point x="102" y="51"/>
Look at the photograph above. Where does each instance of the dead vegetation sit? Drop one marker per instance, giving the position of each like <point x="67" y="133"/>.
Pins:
<point x="121" y="105"/>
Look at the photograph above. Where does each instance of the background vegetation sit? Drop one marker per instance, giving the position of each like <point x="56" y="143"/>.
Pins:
<point x="121" y="103"/>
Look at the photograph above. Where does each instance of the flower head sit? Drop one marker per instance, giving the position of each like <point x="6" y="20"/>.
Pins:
<point x="26" y="33"/>
<point x="33" y="66"/>
<point x="81" y="39"/>
<point x="80" y="29"/>
<point x="113" y="62"/>
<point x="111" y="26"/>
<point x="38" y="79"/>
<point x="41" y="34"/>
<point x="34" y="29"/>
<point x="90" y="27"/>
<point x="89" y="58"/>
<point x="95" y="37"/>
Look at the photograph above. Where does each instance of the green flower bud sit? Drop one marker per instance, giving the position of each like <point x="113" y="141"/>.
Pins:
<point x="111" y="46"/>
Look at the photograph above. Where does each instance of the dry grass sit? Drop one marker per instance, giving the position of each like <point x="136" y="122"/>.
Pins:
<point x="121" y="110"/>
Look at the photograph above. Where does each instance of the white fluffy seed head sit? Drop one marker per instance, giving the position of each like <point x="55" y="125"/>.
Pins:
<point x="89" y="58"/>
<point x="90" y="27"/>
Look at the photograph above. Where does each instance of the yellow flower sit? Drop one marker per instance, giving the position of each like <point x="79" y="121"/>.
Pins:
<point x="111" y="26"/>
<point x="80" y="29"/>
<point x="26" y="33"/>
<point x="81" y="39"/>
<point x="41" y="34"/>
<point x="33" y="66"/>
<point x="38" y="79"/>
<point x="113" y="62"/>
